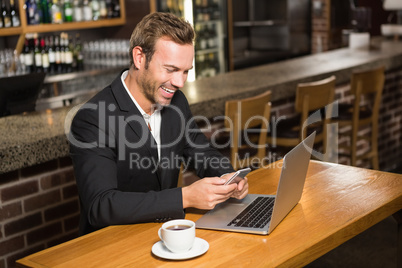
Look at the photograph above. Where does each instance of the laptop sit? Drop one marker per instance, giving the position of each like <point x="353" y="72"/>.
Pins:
<point x="268" y="210"/>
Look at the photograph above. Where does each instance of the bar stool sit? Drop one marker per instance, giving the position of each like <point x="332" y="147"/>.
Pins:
<point x="247" y="119"/>
<point x="366" y="87"/>
<point x="313" y="106"/>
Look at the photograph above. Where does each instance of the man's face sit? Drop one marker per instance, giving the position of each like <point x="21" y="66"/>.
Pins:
<point x="167" y="71"/>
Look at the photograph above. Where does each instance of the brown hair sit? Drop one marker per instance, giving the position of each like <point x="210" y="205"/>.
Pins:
<point x="155" y="26"/>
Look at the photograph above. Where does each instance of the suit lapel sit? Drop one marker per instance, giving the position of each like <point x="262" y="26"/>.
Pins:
<point x="171" y="129"/>
<point x="134" y="119"/>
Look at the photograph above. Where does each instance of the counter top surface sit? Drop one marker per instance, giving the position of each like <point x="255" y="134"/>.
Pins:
<point x="37" y="137"/>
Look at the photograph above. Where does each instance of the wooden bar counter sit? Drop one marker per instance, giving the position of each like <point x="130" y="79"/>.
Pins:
<point x="338" y="203"/>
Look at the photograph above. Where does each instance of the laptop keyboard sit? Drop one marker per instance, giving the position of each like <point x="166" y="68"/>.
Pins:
<point x="255" y="215"/>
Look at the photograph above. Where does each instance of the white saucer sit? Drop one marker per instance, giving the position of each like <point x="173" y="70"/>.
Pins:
<point x="200" y="247"/>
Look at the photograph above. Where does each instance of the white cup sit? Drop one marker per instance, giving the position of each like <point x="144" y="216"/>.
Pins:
<point x="178" y="235"/>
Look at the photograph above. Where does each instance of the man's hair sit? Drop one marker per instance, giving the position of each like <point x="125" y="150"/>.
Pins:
<point x="155" y="26"/>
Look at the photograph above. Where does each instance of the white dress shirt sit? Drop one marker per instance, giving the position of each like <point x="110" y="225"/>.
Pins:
<point x="153" y="121"/>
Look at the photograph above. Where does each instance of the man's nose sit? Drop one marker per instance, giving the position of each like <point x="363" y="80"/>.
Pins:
<point x="179" y="79"/>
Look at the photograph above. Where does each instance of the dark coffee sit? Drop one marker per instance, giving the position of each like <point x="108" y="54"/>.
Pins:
<point x="178" y="227"/>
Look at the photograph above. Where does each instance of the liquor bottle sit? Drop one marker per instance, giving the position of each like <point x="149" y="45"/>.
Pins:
<point x="57" y="54"/>
<point x="78" y="54"/>
<point x="62" y="54"/>
<point x="68" y="11"/>
<point x="109" y="9"/>
<point x="102" y="9"/>
<point x="95" y="9"/>
<point x="5" y="13"/>
<point x="52" y="54"/>
<point x="1" y="19"/>
<point x="212" y="36"/>
<point x="15" y="15"/>
<point x="28" y="55"/>
<point x="57" y="16"/>
<point x="46" y="11"/>
<point x="78" y="12"/>
<point x="38" y="12"/>
<point x="45" y="55"/>
<point x="87" y="11"/>
<point x="116" y="8"/>
<point x="38" y="55"/>
<point x="68" y="55"/>
<point x="203" y="36"/>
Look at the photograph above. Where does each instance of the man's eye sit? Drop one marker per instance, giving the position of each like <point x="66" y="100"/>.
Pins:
<point x="170" y="70"/>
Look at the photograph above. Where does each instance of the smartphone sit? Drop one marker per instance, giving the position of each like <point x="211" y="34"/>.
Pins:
<point x="238" y="176"/>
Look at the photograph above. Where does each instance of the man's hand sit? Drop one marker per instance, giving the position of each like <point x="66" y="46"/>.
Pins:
<point x="208" y="192"/>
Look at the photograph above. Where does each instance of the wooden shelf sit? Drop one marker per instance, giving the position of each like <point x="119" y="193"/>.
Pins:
<point x="10" y="31"/>
<point x="43" y="28"/>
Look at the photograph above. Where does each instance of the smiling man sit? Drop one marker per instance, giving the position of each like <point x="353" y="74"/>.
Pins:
<point x="127" y="142"/>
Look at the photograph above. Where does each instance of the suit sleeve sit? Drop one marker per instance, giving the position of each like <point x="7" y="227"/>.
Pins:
<point x="103" y="200"/>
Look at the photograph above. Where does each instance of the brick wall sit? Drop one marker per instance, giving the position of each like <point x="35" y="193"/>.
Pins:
<point x="39" y="208"/>
<point x="320" y="26"/>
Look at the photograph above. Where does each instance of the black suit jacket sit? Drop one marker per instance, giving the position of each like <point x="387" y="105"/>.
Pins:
<point x="119" y="177"/>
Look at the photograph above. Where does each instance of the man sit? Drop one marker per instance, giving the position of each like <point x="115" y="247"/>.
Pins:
<point x="128" y="141"/>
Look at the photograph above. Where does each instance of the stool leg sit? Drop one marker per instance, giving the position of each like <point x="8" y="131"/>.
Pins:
<point x="353" y="145"/>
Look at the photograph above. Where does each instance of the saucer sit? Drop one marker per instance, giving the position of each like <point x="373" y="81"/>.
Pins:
<point x="200" y="247"/>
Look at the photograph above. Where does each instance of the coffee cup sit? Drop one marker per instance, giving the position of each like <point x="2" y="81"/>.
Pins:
<point x="178" y="235"/>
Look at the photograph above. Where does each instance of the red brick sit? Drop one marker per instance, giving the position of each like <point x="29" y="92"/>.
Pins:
<point x="18" y="191"/>
<point x="70" y="191"/>
<point x="11" y="245"/>
<point x="42" y="200"/>
<point x="57" y="179"/>
<point x="10" y="211"/>
<point x="62" y="210"/>
<point x="40" y="168"/>
<point x="45" y="233"/>
<point x="23" y="224"/>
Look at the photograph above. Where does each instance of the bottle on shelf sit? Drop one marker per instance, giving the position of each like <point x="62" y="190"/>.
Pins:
<point x="78" y="11"/>
<point x="212" y="36"/>
<point x="78" y="53"/>
<point x="68" y="55"/>
<point x="15" y="15"/>
<point x="116" y="8"/>
<point x="45" y="55"/>
<point x="62" y="54"/>
<point x="52" y="54"/>
<point x="57" y="54"/>
<point x="95" y="9"/>
<point x="46" y="14"/>
<point x="28" y="53"/>
<point x="56" y="10"/>
<point x="38" y="55"/>
<point x="87" y="11"/>
<point x="109" y="9"/>
<point x="102" y="9"/>
<point x="5" y="15"/>
<point x="68" y="11"/>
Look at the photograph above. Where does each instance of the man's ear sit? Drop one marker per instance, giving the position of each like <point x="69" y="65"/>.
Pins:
<point x="138" y="57"/>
